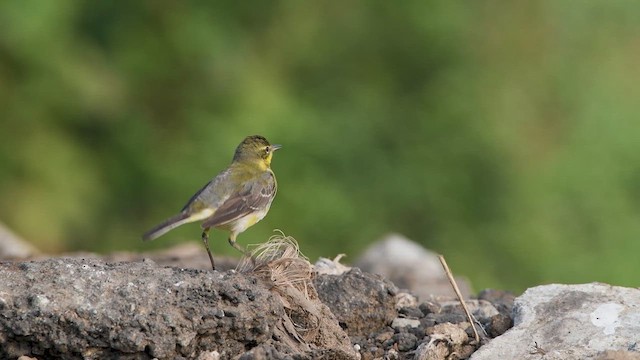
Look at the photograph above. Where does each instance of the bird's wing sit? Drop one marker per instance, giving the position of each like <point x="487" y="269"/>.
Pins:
<point x="255" y="195"/>
<point x="205" y="197"/>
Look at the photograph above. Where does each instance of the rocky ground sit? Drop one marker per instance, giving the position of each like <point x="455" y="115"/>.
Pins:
<point x="131" y="307"/>
<point x="168" y="305"/>
<point x="383" y="322"/>
<point x="87" y="308"/>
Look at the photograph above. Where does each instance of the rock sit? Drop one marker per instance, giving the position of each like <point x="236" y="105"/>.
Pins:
<point x="589" y="321"/>
<point x="331" y="267"/>
<point x="363" y="303"/>
<point x="406" y="300"/>
<point x="492" y="321"/>
<point x="430" y="307"/>
<point x="481" y="309"/>
<point x="501" y="300"/>
<point x="451" y="333"/>
<point x="209" y="355"/>
<point x="410" y="266"/>
<point x="447" y="341"/>
<point x="498" y="325"/>
<point x="410" y="312"/>
<point x="405" y="341"/>
<point x="404" y="322"/>
<point x="13" y="247"/>
<point x="73" y="308"/>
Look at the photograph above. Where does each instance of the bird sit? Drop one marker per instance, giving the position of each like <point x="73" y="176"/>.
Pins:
<point x="236" y="199"/>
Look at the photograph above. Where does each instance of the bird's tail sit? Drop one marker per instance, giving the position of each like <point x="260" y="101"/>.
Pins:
<point x="167" y="225"/>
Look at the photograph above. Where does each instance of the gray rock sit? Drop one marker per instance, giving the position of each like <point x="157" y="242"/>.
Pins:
<point x="73" y="308"/>
<point x="501" y="300"/>
<point x="586" y="321"/>
<point x="410" y="266"/>
<point x="404" y="322"/>
<point x="363" y="303"/>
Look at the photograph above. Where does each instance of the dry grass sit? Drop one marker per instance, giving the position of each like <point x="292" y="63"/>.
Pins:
<point x="279" y="262"/>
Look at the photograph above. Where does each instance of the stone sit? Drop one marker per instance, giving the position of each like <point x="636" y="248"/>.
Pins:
<point x="404" y="322"/>
<point x="330" y="266"/>
<point x="501" y="300"/>
<point x="410" y="266"/>
<point x="405" y="341"/>
<point x="71" y="308"/>
<point x="410" y="312"/>
<point x="446" y="341"/>
<point x="493" y="322"/>
<point x="587" y="321"/>
<point x="404" y="300"/>
<point x="363" y="303"/>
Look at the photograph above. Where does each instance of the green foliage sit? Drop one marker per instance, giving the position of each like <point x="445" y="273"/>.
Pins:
<point x="500" y="134"/>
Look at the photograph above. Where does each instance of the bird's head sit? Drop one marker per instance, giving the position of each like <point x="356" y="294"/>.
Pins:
<point x="255" y="149"/>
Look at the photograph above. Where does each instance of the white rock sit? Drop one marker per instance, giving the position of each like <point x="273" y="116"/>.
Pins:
<point x="331" y="267"/>
<point x="569" y="322"/>
<point x="399" y="323"/>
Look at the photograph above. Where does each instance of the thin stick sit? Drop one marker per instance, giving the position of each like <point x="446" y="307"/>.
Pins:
<point x="457" y="291"/>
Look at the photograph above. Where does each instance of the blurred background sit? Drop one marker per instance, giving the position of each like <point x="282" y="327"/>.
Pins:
<point x="504" y="135"/>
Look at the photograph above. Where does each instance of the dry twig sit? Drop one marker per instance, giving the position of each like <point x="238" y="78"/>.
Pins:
<point x="457" y="291"/>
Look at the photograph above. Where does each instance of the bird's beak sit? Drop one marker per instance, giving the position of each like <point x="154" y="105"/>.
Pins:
<point x="275" y="147"/>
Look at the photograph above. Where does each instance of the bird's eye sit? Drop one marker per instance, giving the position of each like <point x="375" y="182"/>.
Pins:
<point x="267" y="149"/>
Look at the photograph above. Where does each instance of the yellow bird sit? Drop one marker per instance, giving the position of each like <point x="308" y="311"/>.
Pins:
<point x="235" y="199"/>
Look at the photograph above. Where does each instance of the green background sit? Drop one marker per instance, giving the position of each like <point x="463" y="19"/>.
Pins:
<point x="502" y="134"/>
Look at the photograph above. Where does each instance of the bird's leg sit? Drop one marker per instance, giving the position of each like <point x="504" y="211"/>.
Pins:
<point x="232" y="242"/>
<point x="205" y="240"/>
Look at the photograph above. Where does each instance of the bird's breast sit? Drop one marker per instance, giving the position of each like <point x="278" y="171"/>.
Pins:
<point x="247" y="221"/>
